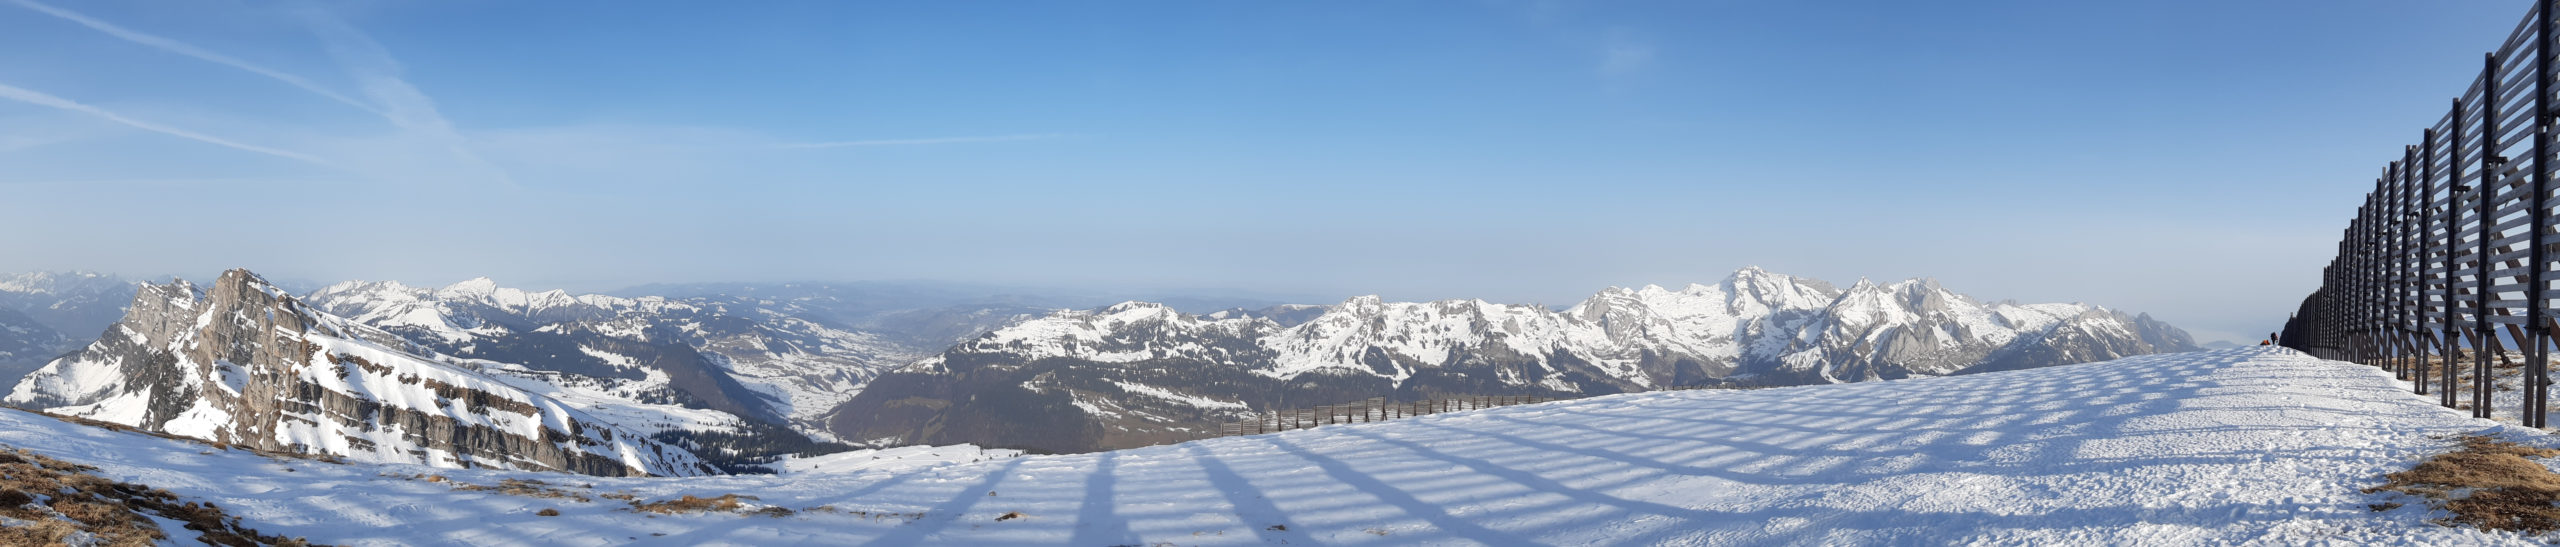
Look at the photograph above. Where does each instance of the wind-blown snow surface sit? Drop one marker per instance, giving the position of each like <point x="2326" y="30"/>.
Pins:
<point x="2229" y="446"/>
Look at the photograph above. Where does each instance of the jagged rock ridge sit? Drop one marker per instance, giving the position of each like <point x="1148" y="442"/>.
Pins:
<point x="247" y="364"/>
<point x="1138" y="373"/>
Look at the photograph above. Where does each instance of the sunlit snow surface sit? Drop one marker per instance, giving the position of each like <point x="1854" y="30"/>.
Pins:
<point x="2231" y="446"/>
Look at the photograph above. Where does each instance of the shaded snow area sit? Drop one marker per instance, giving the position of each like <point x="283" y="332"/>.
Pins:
<point x="2231" y="446"/>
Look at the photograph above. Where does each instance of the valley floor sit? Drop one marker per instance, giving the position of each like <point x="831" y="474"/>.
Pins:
<point x="2229" y="446"/>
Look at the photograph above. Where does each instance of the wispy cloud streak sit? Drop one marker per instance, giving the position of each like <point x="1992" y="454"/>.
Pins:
<point x="404" y="105"/>
<point x="911" y="142"/>
<point x="38" y="98"/>
<point x="377" y="76"/>
<point x="182" y="48"/>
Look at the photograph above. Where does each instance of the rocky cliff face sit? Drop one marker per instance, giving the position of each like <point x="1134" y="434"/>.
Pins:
<point x="244" y="363"/>
<point x="1138" y="373"/>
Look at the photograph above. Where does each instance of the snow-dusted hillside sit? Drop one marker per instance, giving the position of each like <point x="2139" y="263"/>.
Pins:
<point x="2244" y="446"/>
<point x="1139" y="373"/>
<point x="242" y="362"/>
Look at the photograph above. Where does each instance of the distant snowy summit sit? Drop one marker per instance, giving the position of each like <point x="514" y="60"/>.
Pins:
<point x="245" y="363"/>
<point x="1137" y="373"/>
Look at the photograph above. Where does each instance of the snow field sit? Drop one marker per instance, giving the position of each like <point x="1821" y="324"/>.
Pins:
<point x="2234" y="446"/>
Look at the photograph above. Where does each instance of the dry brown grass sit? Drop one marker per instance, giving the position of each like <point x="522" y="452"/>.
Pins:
<point x="689" y="504"/>
<point x="726" y="503"/>
<point x="530" y="488"/>
<point x="62" y="501"/>
<point x="2487" y="483"/>
<point x="867" y="514"/>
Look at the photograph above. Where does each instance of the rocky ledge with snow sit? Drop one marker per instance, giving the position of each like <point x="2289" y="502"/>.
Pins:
<point x="1137" y="374"/>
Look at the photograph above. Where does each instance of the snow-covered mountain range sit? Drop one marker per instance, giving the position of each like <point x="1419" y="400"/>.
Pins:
<point x="245" y="363"/>
<point x="754" y="360"/>
<point x="740" y="376"/>
<point x="44" y="315"/>
<point x="1136" y="373"/>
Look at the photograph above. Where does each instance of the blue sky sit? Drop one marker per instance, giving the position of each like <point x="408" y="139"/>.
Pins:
<point x="2194" y="160"/>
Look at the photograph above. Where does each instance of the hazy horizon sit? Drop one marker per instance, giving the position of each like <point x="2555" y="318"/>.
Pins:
<point x="2185" y="159"/>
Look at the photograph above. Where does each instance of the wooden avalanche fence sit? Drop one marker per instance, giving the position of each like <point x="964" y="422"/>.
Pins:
<point x="2448" y="264"/>
<point x="1372" y="410"/>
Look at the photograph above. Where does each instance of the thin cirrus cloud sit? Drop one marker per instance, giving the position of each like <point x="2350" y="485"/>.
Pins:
<point x="393" y="99"/>
<point x="182" y="48"/>
<point x="404" y="105"/>
<point x="39" y="98"/>
<point x="914" y="142"/>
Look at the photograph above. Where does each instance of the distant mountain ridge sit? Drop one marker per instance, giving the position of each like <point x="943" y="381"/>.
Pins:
<point x="1139" y="373"/>
<point x="44" y="315"/>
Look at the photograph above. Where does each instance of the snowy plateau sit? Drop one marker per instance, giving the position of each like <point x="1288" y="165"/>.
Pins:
<point x="2236" y="446"/>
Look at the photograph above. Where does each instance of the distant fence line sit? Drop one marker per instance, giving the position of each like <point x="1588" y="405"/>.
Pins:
<point x="1379" y="409"/>
<point x="2450" y="256"/>
<point x="1375" y="409"/>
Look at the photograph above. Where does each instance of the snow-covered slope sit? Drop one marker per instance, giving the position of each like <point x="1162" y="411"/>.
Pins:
<point x="1140" y="373"/>
<point x="245" y="363"/>
<point x="2245" y="446"/>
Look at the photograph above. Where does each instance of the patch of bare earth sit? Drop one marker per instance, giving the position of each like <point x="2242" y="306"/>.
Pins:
<point x="44" y="501"/>
<point x="2487" y="484"/>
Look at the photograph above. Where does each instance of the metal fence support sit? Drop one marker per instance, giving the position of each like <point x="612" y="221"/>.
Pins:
<point x="2536" y="288"/>
<point x="2489" y="173"/>
<point x="2454" y="189"/>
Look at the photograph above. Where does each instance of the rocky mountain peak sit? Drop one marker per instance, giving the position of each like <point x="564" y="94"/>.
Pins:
<point x="1365" y="305"/>
<point x="1924" y="295"/>
<point x="477" y="286"/>
<point x="1752" y="291"/>
<point x="1134" y="306"/>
